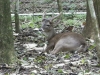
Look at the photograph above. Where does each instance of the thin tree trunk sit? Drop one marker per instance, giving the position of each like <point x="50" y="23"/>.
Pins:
<point x="7" y="54"/>
<point x="59" y="5"/>
<point x="17" y="27"/>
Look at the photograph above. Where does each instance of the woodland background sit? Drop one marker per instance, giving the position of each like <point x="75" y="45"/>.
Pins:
<point x="20" y="37"/>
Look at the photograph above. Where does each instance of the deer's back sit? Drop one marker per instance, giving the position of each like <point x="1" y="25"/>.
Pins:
<point x="68" y="40"/>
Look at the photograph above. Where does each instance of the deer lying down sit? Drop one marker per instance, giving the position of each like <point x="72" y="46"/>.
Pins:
<point x="68" y="41"/>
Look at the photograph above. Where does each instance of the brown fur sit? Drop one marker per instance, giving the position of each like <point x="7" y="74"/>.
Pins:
<point x="67" y="41"/>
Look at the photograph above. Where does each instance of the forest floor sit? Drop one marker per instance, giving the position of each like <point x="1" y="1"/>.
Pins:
<point x="32" y="62"/>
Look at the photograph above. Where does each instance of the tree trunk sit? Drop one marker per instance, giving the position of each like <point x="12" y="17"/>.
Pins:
<point x="17" y="27"/>
<point x="7" y="54"/>
<point x="97" y="9"/>
<point x="95" y="27"/>
<point x="88" y="29"/>
<point x="59" y="5"/>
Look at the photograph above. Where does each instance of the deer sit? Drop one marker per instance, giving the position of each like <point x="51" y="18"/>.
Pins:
<point x="66" y="41"/>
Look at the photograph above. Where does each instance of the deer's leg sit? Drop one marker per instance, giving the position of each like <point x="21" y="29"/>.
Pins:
<point x="57" y="49"/>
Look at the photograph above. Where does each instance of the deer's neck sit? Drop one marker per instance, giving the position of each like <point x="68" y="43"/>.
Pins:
<point x="50" y="34"/>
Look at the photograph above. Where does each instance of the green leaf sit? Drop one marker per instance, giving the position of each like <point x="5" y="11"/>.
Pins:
<point x="83" y="61"/>
<point x="60" y="71"/>
<point x="87" y="71"/>
<point x="67" y="56"/>
<point x="91" y="47"/>
<point x="25" y="58"/>
<point x="48" y="66"/>
<point x="32" y="74"/>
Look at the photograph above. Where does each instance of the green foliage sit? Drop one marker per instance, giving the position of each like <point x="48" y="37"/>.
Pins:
<point x="29" y="21"/>
<point x="73" y="20"/>
<point x="75" y="16"/>
<point x="25" y="58"/>
<point x="13" y="18"/>
<point x="67" y="56"/>
<point x="91" y="47"/>
<point x="87" y="71"/>
<point x="69" y="16"/>
<point x="72" y="6"/>
<point x="60" y="71"/>
<point x="48" y="66"/>
<point x="80" y="17"/>
<point x="98" y="65"/>
<point x="47" y="1"/>
<point x="39" y="59"/>
<point x="6" y="73"/>
<point x="65" y="4"/>
<point x="83" y="61"/>
<point x="32" y="74"/>
<point x="35" y="21"/>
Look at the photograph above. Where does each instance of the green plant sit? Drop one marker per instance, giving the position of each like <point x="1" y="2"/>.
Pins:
<point x="47" y="1"/>
<point x="67" y="56"/>
<point x="60" y="71"/>
<point x="80" y="17"/>
<point x="91" y="47"/>
<point x="70" y="22"/>
<point x="29" y="21"/>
